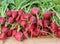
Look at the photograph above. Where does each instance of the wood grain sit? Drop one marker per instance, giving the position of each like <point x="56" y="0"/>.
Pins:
<point x="12" y="40"/>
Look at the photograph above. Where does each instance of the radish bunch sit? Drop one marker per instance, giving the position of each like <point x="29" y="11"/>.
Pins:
<point x="23" y="25"/>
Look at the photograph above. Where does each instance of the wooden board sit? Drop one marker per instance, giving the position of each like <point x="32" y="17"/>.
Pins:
<point x="12" y="40"/>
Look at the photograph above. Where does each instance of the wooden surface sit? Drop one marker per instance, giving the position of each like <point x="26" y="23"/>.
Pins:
<point x="12" y="40"/>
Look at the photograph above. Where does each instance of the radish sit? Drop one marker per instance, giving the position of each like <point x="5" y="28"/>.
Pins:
<point x="22" y="17"/>
<point x="43" y="34"/>
<point x="2" y="20"/>
<point x="23" y="23"/>
<point x="9" y="13"/>
<point x="19" y="36"/>
<point x="54" y="27"/>
<point x="47" y="15"/>
<point x="35" y="33"/>
<point x="3" y="36"/>
<point x="10" y="20"/>
<point x="53" y="13"/>
<point x="58" y="33"/>
<point x="18" y="19"/>
<point x="14" y="32"/>
<point x="40" y="22"/>
<point x="26" y="34"/>
<point x="27" y="16"/>
<point x="46" y="23"/>
<point x="30" y="27"/>
<point x="9" y="33"/>
<point x="5" y="29"/>
<point x="33" y="19"/>
<point x="45" y="29"/>
<point x="35" y="11"/>
<point x="14" y="14"/>
<point x="20" y="12"/>
<point x="31" y="24"/>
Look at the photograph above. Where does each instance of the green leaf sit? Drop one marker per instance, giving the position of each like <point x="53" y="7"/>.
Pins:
<point x="56" y="1"/>
<point x="57" y="8"/>
<point x="4" y="5"/>
<point x="18" y="3"/>
<point x="22" y="3"/>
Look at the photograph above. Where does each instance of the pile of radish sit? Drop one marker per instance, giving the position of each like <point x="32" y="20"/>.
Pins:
<point x="23" y="25"/>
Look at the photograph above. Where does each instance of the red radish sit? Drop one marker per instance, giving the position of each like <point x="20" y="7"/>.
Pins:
<point x="18" y="19"/>
<point x="35" y="33"/>
<point x="22" y="17"/>
<point x="14" y="32"/>
<point x="43" y="34"/>
<point x="10" y="20"/>
<point x="30" y="24"/>
<point x="2" y="20"/>
<point x="20" y="12"/>
<point x="30" y="27"/>
<point x="27" y="16"/>
<point x="40" y="22"/>
<point x="35" y="11"/>
<point x="47" y="15"/>
<point x="14" y="14"/>
<point x="3" y="36"/>
<point x="33" y="19"/>
<point x="9" y="13"/>
<point x="26" y="34"/>
<point x="58" y="33"/>
<point x="54" y="27"/>
<point x="53" y="13"/>
<point x="19" y="36"/>
<point x="5" y="29"/>
<point x="45" y="29"/>
<point x="46" y="23"/>
<point x="23" y="23"/>
<point x="9" y="33"/>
